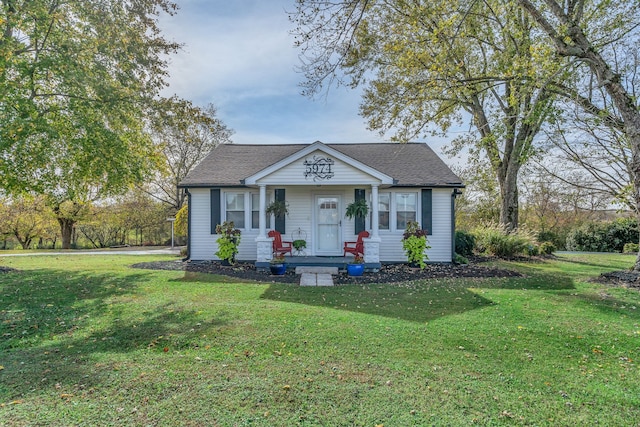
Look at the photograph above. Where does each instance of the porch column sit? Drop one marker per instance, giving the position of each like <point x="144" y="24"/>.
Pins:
<point x="262" y="221"/>
<point x="372" y="244"/>
<point x="263" y="243"/>
<point x="374" y="211"/>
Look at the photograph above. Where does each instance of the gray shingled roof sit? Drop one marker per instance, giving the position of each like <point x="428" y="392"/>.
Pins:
<point x="410" y="164"/>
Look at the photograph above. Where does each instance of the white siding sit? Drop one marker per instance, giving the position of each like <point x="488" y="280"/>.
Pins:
<point x="293" y="174"/>
<point x="439" y="240"/>
<point x="301" y="205"/>
<point x="203" y="245"/>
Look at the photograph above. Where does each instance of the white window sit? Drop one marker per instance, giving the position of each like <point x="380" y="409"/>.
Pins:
<point x="234" y="208"/>
<point x="406" y="209"/>
<point x="384" y="211"/>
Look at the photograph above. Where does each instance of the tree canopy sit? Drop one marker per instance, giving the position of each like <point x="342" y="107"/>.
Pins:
<point x="75" y="80"/>
<point x="601" y="39"/>
<point x="183" y="135"/>
<point x="428" y="65"/>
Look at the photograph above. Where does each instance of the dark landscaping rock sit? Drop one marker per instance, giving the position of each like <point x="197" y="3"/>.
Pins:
<point x="626" y="278"/>
<point x="389" y="273"/>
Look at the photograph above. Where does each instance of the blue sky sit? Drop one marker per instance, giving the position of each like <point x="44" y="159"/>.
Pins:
<point x="239" y="55"/>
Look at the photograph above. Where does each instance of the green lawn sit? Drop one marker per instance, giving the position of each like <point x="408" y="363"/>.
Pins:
<point x="86" y="340"/>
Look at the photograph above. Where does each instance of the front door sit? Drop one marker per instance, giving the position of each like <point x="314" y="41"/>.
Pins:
<point x="328" y="225"/>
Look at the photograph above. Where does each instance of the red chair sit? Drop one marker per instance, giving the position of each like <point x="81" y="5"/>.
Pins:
<point x="356" y="248"/>
<point x="279" y="247"/>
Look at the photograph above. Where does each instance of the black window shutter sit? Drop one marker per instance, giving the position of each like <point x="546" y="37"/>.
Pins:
<point x="280" y="221"/>
<point x="427" y="211"/>
<point x="216" y="214"/>
<point x="359" y="194"/>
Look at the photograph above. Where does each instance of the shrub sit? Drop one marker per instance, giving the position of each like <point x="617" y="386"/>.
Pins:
<point x="465" y="243"/>
<point x="532" y="250"/>
<point x="557" y="238"/>
<point x="414" y="243"/>
<point x="630" y="248"/>
<point x="182" y="221"/>
<point x="228" y="241"/>
<point x="547" y="248"/>
<point x="603" y="236"/>
<point x="495" y="240"/>
<point x="459" y="259"/>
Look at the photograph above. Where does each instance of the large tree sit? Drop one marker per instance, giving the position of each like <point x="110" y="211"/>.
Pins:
<point x="184" y="134"/>
<point x="76" y="79"/>
<point x="599" y="36"/>
<point x="435" y="63"/>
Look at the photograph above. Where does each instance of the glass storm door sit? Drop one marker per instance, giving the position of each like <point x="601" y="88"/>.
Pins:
<point x="328" y="225"/>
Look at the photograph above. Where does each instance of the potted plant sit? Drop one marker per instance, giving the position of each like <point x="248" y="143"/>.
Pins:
<point x="228" y="241"/>
<point x="299" y="244"/>
<point x="356" y="267"/>
<point x="414" y="243"/>
<point x="357" y="209"/>
<point x="278" y="266"/>
<point x="279" y="208"/>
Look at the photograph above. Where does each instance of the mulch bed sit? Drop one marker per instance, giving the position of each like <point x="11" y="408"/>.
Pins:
<point x="391" y="273"/>
<point x="624" y="278"/>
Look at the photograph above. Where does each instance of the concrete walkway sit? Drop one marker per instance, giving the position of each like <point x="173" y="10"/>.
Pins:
<point x="316" y="276"/>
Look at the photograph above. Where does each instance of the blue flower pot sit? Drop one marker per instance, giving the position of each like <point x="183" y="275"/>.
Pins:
<point x="278" y="269"/>
<point x="355" y="269"/>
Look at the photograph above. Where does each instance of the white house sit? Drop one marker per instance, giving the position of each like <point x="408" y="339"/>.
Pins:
<point x="401" y="182"/>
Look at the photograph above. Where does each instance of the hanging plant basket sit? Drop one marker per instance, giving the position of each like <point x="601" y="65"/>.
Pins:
<point x="279" y="208"/>
<point x="357" y="209"/>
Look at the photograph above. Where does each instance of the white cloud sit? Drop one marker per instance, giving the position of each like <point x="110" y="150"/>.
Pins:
<point x="225" y="55"/>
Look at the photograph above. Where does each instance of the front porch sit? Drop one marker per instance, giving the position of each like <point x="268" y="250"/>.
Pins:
<point x="319" y="261"/>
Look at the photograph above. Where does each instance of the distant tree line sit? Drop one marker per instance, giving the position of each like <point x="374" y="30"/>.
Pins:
<point x="136" y="218"/>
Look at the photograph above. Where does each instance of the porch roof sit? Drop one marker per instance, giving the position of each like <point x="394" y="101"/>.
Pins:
<point x="410" y="164"/>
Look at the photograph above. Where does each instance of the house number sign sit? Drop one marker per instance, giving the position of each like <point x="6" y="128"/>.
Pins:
<point x="318" y="168"/>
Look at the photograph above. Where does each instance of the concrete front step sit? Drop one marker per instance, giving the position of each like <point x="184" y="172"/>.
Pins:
<point x="313" y="279"/>
<point x="316" y="276"/>
<point x="317" y="270"/>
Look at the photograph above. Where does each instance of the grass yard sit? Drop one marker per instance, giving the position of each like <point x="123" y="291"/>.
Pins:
<point x="86" y="340"/>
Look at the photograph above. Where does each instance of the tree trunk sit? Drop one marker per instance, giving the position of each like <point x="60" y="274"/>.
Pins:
<point x="635" y="150"/>
<point x="509" y="199"/>
<point x="24" y="243"/>
<point x="66" y="231"/>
